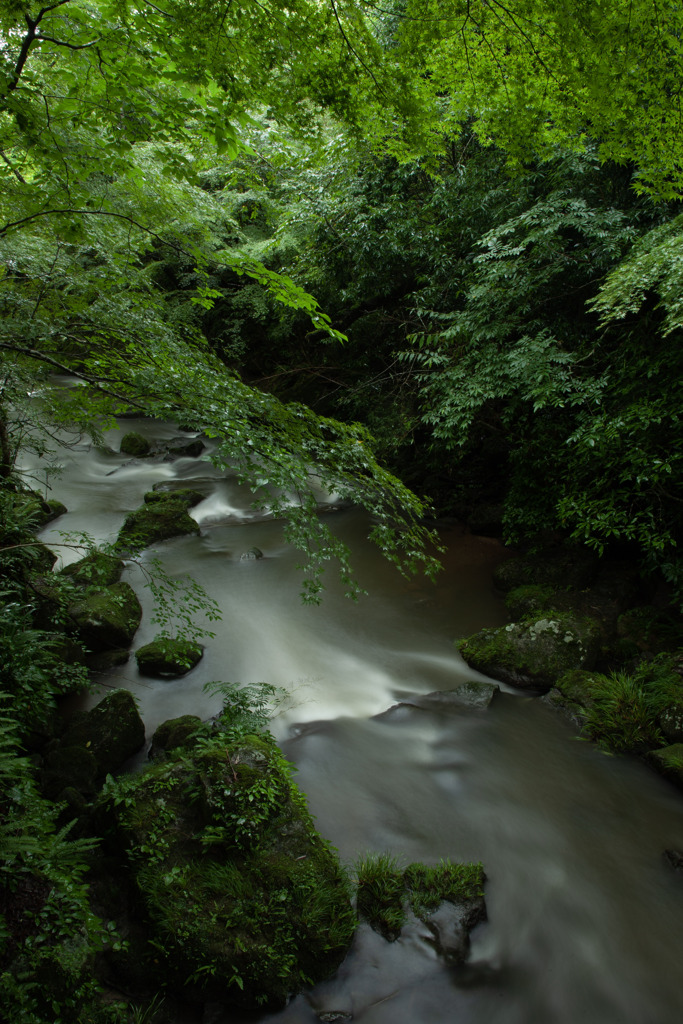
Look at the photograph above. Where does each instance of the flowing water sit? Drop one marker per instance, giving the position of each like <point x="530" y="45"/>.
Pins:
<point x="585" y="918"/>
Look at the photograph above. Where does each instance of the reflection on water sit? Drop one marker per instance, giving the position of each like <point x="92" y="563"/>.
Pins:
<point x="585" y="920"/>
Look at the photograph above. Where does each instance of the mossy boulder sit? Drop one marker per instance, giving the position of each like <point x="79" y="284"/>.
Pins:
<point x="244" y="897"/>
<point x="107" y="618"/>
<point x="535" y="652"/>
<point x="530" y="598"/>
<point x="135" y="444"/>
<point x="173" y="733"/>
<point x="574" y="693"/>
<point x="166" y="658"/>
<point x="112" y="731"/>
<point x="558" y="568"/>
<point x="668" y="761"/>
<point x="164" y="515"/>
<point x="98" y="569"/>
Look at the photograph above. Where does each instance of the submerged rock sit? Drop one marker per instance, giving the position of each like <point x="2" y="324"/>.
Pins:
<point x="186" y="447"/>
<point x="251" y="553"/>
<point x="167" y="658"/>
<point x="470" y="695"/>
<point x="164" y="515"/>
<point x="244" y="897"/>
<point x="135" y="444"/>
<point x="535" y="652"/>
<point x="107" y="618"/>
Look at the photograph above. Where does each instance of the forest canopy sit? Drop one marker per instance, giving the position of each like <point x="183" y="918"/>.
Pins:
<point x="428" y="143"/>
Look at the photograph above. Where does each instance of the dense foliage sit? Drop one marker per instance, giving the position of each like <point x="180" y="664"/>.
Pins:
<point x="439" y="237"/>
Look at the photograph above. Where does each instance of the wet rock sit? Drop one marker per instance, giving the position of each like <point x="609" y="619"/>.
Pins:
<point x="164" y="515"/>
<point x="107" y="618"/>
<point x="173" y="733"/>
<point x="451" y="926"/>
<point x="668" y="761"/>
<point x="111" y="732"/>
<point x="96" y="569"/>
<point x="535" y="652"/>
<point x="186" y="448"/>
<point x="166" y="658"/>
<point x="250" y="554"/>
<point x="470" y="694"/>
<point x="135" y="444"/>
<point x="104" y="661"/>
<point x="332" y="1016"/>
<point x="575" y="693"/>
<point x="236" y="882"/>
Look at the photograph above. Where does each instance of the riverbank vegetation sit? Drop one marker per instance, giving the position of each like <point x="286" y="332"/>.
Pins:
<point x="400" y="249"/>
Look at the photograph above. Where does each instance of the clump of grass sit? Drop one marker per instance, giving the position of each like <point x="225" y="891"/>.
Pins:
<point x="428" y="887"/>
<point x="623" y="715"/>
<point x="381" y="893"/>
<point x="385" y="892"/>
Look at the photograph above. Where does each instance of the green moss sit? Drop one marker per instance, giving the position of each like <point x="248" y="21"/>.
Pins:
<point x="97" y="569"/>
<point x="557" y="568"/>
<point x="244" y="895"/>
<point x="535" y="651"/>
<point x="135" y="444"/>
<point x="526" y="600"/>
<point x="107" y="618"/>
<point x="165" y="657"/>
<point x="174" y="733"/>
<point x="163" y="515"/>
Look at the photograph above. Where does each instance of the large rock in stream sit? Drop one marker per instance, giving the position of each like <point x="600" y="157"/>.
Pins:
<point x="534" y="652"/>
<point x="163" y="515"/>
<point x="107" y="618"/>
<point x="245" y="900"/>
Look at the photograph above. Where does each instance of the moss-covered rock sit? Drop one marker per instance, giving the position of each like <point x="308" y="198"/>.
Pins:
<point x="668" y="761"/>
<point x="107" y="618"/>
<point x="558" y="568"/>
<point x="98" y="569"/>
<point x="112" y="731"/>
<point x="164" y="515"/>
<point x="135" y="444"/>
<point x="243" y="896"/>
<point x="173" y="733"/>
<point x="167" y="658"/>
<point x="534" y="652"/>
<point x="526" y="600"/>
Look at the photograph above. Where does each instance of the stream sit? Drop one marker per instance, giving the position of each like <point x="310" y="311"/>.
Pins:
<point x="585" y="917"/>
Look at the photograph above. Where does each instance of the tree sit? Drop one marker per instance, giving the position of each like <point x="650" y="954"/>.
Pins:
<point x="532" y="76"/>
<point x="107" y="112"/>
